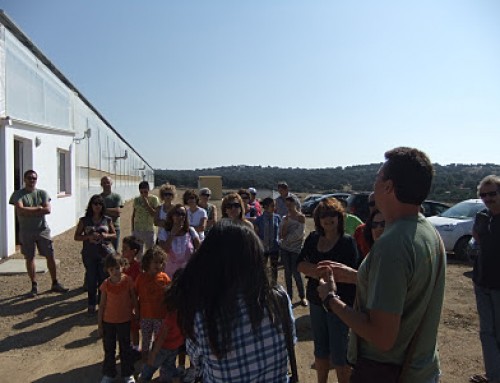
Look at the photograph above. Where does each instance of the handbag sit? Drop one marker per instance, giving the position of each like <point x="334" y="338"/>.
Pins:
<point x="106" y="248"/>
<point x="286" y="324"/>
<point x="371" y="371"/>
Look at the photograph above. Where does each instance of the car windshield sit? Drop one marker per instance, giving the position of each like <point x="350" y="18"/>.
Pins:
<point x="463" y="210"/>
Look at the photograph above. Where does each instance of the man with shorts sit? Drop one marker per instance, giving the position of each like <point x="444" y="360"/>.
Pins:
<point x="400" y="285"/>
<point x="31" y="206"/>
<point x="113" y="203"/>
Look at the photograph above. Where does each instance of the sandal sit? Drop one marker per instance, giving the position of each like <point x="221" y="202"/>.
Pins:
<point x="478" y="378"/>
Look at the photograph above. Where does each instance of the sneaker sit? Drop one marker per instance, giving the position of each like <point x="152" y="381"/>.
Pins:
<point x="58" y="288"/>
<point x="304" y="302"/>
<point x="190" y="375"/>
<point x="107" y="379"/>
<point x="129" y="379"/>
<point x="181" y="370"/>
<point x="34" y="291"/>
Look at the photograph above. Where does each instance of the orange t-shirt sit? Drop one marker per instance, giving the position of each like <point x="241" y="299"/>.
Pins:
<point x="119" y="304"/>
<point x="150" y="289"/>
<point x="174" y="337"/>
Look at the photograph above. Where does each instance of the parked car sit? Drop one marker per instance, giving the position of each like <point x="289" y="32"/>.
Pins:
<point x="312" y="197"/>
<point x="455" y="226"/>
<point x="357" y="204"/>
<point x="308" y="207"/>
<point x="431" y="208"/>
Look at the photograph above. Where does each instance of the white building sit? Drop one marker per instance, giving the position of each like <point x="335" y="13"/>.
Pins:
<point x="48" y="126"/>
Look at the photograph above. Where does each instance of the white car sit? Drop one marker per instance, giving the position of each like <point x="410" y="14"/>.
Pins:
<point x="455" y="226"/>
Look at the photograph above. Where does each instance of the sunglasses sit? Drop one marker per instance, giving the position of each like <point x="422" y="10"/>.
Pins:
<point x="235" y="205"/>
<point x="328" y="214"/>
<point x="205" y="195"/>
<point x="180" y="214"/>
<point x="245" y="197"/>
<point x="380" y="224"/>
<point x="488" y="194"/>
<point x="167" y="194"/>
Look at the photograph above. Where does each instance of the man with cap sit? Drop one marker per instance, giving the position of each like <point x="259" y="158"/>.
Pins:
<point x="254" y="202"/>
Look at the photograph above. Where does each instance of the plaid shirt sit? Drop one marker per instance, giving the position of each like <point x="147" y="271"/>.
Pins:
<point x="254" y="357"/>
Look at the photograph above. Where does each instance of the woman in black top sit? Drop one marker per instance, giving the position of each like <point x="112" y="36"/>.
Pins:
<point x="330" y="243"/>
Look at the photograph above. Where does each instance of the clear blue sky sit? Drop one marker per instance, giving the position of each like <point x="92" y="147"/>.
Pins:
<point x="195" y="84"/>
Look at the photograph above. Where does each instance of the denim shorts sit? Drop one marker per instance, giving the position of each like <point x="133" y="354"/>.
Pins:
<point x="330" y="335"/>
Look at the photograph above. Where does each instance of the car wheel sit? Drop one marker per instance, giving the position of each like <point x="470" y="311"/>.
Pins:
<point x="460" y="249"/>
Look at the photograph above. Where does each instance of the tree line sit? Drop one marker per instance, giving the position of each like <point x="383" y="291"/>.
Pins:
<point x="452" y="183"/>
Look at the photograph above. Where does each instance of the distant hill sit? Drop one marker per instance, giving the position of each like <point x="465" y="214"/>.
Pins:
<point x="452" y="183"/>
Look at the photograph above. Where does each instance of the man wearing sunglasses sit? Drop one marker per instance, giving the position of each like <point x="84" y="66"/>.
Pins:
<point x="32" y="205"/>
<point x="486" y="231"/>
<point x="399" y="285"/>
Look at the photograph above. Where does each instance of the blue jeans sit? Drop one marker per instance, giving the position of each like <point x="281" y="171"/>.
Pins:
<point x="165" y="359"/>
<point x="95" y="276"/>
<point x="289" y="261"/>
<point x="488" y="308"/>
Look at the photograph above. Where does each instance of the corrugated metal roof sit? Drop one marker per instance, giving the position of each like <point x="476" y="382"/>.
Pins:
<point x="24" y="39"/>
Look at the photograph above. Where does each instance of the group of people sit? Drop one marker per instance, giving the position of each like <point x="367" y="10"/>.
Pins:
<point x="201" y="288"/>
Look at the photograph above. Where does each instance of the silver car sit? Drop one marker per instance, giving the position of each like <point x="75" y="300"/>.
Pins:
<point x="455" y="226"/>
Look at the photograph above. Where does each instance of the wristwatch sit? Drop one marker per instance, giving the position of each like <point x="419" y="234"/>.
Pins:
<point x="326" y="301"/>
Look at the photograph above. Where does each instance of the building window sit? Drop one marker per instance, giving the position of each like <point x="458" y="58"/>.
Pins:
<point x="63" y="172"/>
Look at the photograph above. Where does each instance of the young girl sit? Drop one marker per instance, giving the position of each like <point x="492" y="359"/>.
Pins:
<point x="168" y="343"/>
<point x="114" y="317"/>
<point x="181" y="239"/>
<point x="149" y="287"/>
<point x="131" y="250"/>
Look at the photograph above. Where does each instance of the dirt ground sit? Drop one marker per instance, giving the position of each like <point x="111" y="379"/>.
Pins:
<point x="50" y="339"/>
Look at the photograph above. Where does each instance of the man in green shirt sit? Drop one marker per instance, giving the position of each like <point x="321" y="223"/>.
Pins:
<point x="32" y="205"/>
<point x="113" y="203"/>
<point x="400" y="284"/>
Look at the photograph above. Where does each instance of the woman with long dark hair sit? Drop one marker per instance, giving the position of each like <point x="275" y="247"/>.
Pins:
<point x="227" y="306"/>
<point x="95" y="229"/>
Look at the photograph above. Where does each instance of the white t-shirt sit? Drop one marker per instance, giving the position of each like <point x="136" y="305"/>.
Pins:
<point x="195" y="218"/>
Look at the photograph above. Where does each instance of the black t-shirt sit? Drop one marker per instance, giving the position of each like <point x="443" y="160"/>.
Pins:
<point x="487" y="264"/>
<point x="344" y="251"/>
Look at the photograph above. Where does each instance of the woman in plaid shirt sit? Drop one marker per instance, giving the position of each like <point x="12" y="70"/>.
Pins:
<point x="229" y="311"/>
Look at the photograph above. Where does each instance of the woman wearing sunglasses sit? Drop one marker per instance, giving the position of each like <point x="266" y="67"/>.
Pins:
<point x="167" y="195"/>
<point x="233" y="209"/>
<point x="96" y="231"/>
<point x="181" y="239"/>
<point x="374" y="228"/>
<point x="328" y="243"/>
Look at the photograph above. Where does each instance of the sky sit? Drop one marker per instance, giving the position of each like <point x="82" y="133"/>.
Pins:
<point x="309" y="84"/>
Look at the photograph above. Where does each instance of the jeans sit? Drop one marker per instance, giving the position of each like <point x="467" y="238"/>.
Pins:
<point x="289" y="261"/>
<point x="111" y="333"/>
<point x="488" y="308"/>
<point x="94" y="268"/>
<point x="165" y="359"/>
<point x="116" y="242"/>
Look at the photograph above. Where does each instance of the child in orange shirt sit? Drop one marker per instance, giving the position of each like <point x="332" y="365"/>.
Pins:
<point x="118" y="299"/>
<point x="166" y="346"/>
<point x="131" y="249"/>
<point x="149" y="287"/>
